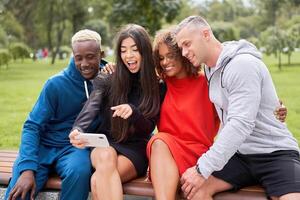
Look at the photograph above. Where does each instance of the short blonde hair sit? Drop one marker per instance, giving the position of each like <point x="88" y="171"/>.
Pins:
<point x="193" y="21"/>
<point x="86" y="35"/>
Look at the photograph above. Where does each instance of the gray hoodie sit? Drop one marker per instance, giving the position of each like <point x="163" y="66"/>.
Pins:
<point x="245" y="98"/>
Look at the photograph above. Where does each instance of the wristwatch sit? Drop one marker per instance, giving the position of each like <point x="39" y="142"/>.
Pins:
<point x="198" y="169"/>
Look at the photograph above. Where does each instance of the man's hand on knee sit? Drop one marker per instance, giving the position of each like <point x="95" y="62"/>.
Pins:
<point x="24" y="184"/>
<point x="191" y="182"/>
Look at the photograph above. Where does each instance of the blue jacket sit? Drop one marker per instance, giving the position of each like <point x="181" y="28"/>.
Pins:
<point x="51" y="119"/>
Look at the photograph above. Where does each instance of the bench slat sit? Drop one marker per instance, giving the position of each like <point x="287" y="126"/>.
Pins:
<point x="8" y="152"/>
<point x="8" y="159"/>
<point x="6" y="169"/>
<point x="6" y="164"/>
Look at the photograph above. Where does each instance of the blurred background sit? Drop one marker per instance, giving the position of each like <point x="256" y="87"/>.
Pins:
<point x="35" y="42"/>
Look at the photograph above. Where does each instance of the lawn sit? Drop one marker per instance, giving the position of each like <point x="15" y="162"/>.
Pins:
<point x="21" y="83"/>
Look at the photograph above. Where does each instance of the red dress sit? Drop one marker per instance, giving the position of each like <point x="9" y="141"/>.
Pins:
<point x="188" y="121"/>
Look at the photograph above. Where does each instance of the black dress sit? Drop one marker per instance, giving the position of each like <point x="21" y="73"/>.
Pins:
<point x="134" y="147"/>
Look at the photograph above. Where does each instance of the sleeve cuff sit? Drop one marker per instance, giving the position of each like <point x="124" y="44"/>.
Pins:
<point x="204" y="171"/>
<point x="78" y="128"/>
<point x="135" y="113"/>
<point x="27" y="165"/>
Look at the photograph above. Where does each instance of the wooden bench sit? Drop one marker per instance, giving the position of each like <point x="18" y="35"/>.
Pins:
<point x="140" y="186"/>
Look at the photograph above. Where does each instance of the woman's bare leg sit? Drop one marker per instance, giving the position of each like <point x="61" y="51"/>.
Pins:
<point x="126" y="169"/>
<point x="107" y="180"/>
<point x="93" y="187"/>
<point x="164" y="171"/>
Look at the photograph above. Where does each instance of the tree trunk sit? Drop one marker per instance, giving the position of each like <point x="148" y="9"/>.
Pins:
<point x="60" y="33"/>
<point x="289" y="58"/>
<point x="279" y="60"/>
<point x="61" y="26"/>
<point x="49" y="26"/>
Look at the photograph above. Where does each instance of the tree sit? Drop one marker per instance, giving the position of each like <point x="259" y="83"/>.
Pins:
<point x="274" y="40"/>
<point x="11" y="30"/>
<point x="46" y="22"/>
<point x="78" y="13"/>
<point x="269" y="10"/>
<point x="101" y="27"/>
<point x="225" y="31"/>
<point x="292" y="40"/>
<point x="25" y="14"/>
<point x="149" y="14"/>
<point x="225" y="10"/>
<point x="11" y="26"/>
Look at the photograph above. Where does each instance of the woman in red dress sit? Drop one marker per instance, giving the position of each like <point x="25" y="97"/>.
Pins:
<point x="188" y="122"/>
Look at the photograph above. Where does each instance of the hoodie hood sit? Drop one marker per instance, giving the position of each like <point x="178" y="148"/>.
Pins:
<point x="73" y="72"/>
<point x="234" y="48"/>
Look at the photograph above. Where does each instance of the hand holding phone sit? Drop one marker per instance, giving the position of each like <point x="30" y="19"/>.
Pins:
<point x="78" y="143"/>
<point x="93" y="139"/>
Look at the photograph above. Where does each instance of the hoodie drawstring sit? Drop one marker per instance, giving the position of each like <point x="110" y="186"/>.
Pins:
<point x="86" y="90"/>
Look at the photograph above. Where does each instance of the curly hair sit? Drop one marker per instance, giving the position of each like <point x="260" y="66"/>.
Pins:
<point x="166" y="37"/>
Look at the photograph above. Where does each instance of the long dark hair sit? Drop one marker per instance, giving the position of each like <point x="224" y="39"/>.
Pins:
<point x="166" y="37"/>
<point x="121" y="81"/>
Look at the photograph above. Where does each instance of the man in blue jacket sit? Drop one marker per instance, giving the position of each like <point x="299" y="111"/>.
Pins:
<point x="45" y="146"/>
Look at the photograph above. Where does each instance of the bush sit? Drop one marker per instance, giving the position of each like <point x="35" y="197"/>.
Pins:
<point x="19" y="50"/>
<point x="4" y="57"/>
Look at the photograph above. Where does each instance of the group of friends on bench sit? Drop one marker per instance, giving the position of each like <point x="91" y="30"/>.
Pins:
<point x="219" y="120"/>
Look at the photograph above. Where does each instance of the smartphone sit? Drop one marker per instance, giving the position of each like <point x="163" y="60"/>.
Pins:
<point x="94" y="139"/>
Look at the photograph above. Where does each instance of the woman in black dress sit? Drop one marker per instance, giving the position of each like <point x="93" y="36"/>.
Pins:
<point x="127" y="103"/>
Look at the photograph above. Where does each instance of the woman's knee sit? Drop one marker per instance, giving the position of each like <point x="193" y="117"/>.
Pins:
<point x="104" y="158"/>
<point x="158" y="145"/>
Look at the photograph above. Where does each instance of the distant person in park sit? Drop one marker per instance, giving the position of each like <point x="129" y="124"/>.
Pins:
<point x="253" y="147"/>
<point x="45" y="145"/>
<point x="45" y="53"/>
<point x="128" y="103"/>
<point x="188" y="121"/>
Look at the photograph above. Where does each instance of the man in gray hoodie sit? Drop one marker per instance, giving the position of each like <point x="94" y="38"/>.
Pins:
<point x="252" y="147"/>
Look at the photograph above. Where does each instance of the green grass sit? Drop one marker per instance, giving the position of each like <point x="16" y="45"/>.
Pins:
<point x="287" y="83"/>
<point x="21" y="84"/>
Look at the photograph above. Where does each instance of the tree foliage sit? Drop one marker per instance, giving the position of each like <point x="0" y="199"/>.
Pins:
<point x="52" y="23"/>
<point x="274" y="40"/>
<point x="149" y="14"/>
<point x="100" y="27"/>
<point x="225" y="31"/>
